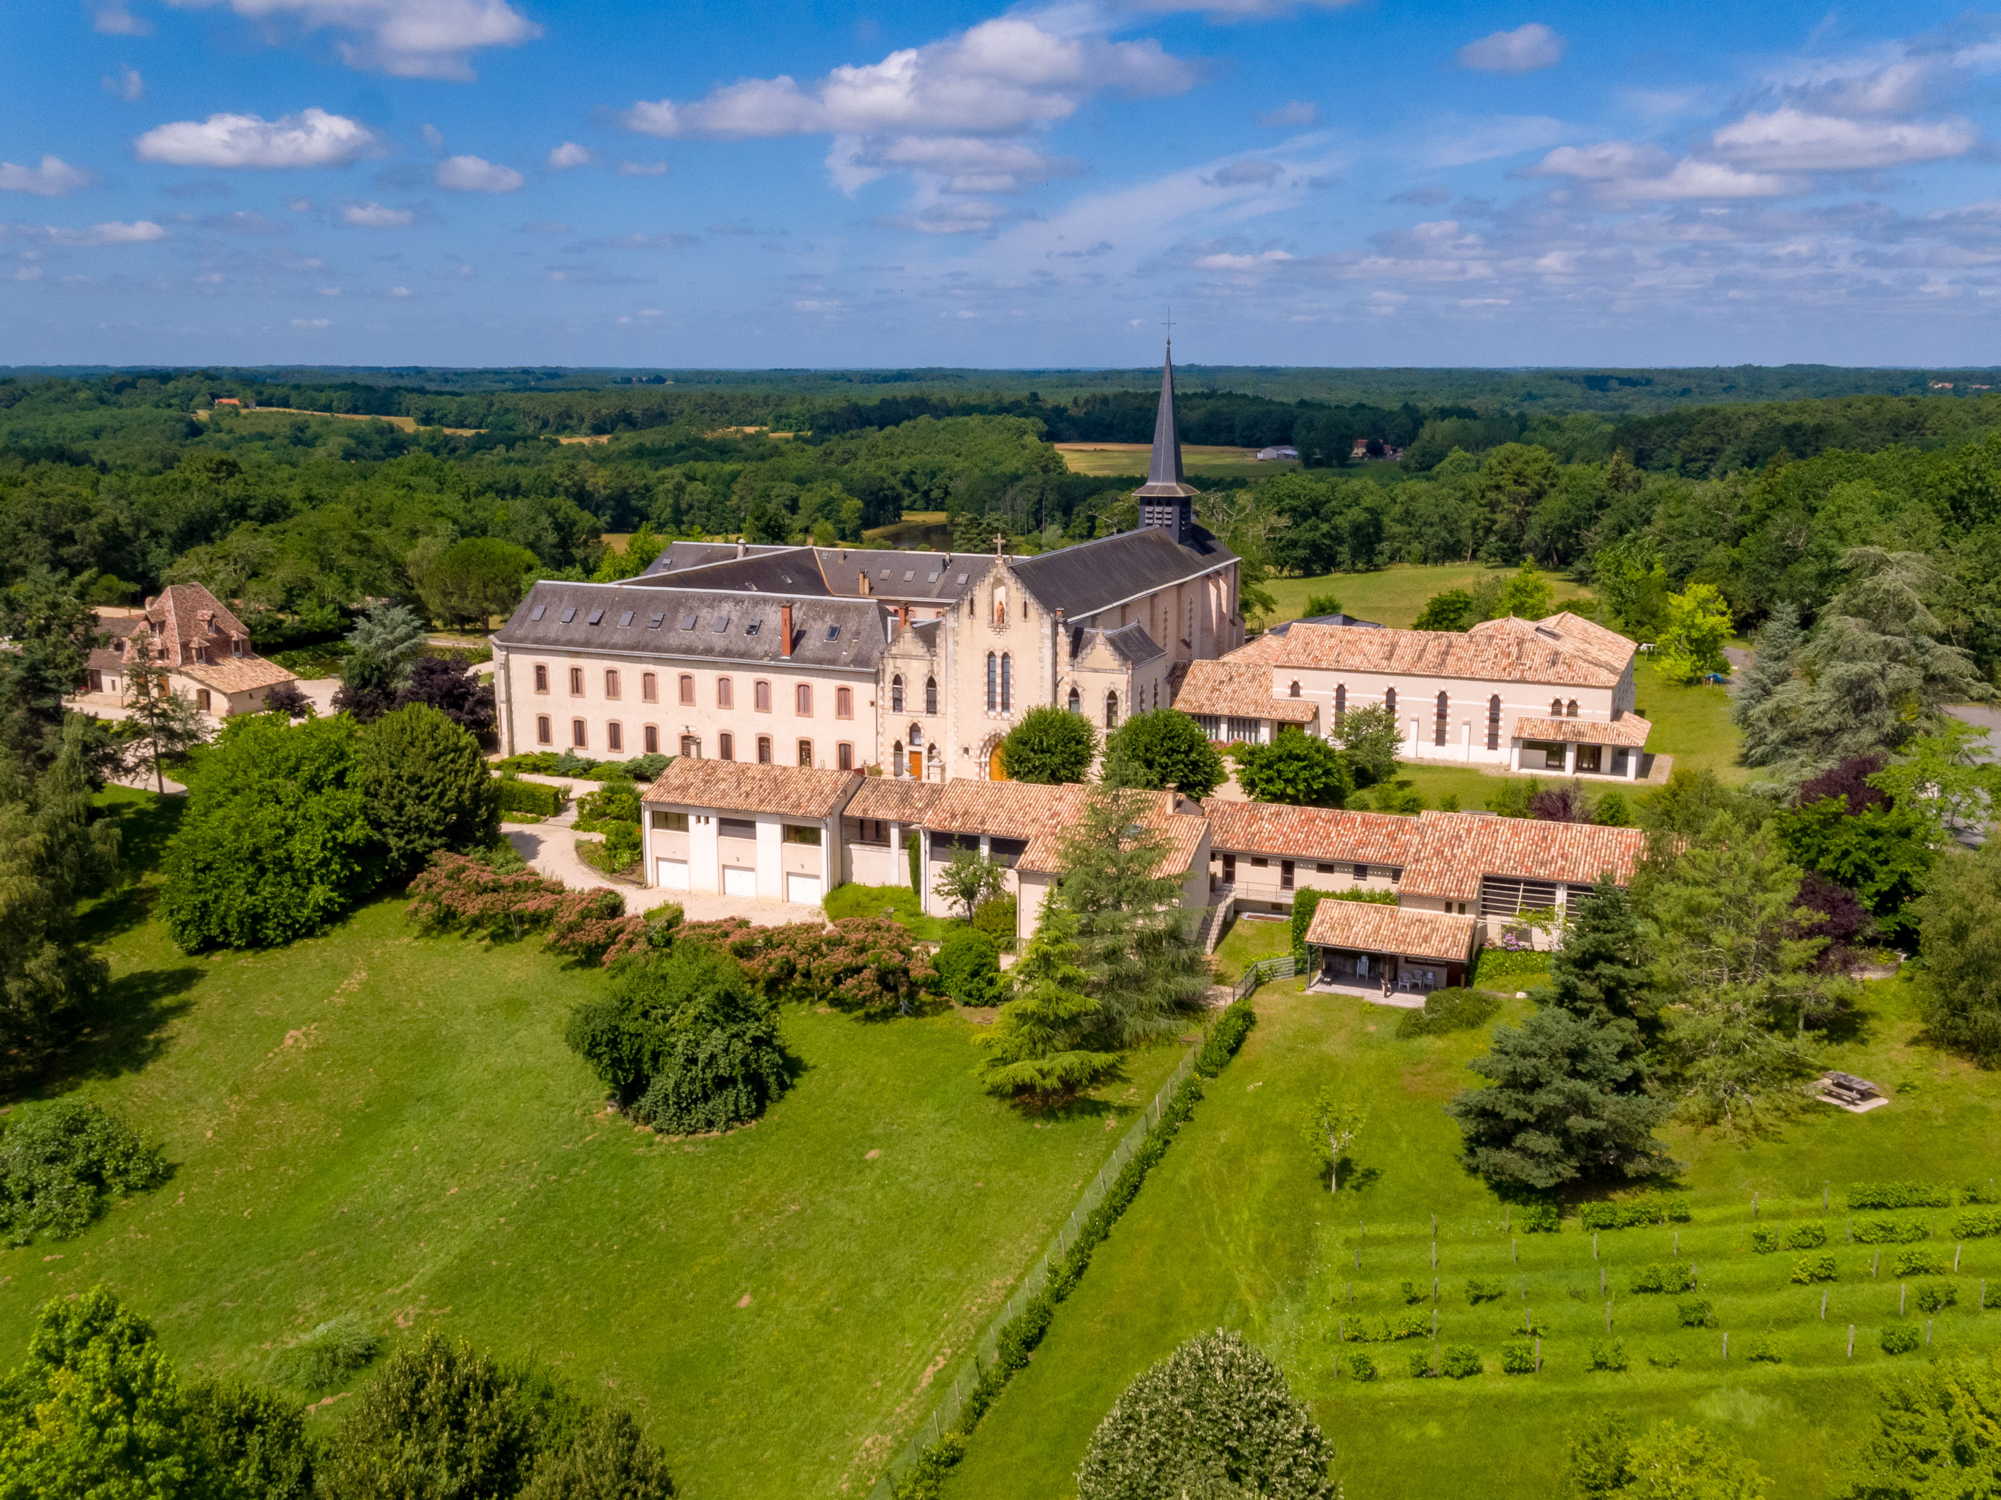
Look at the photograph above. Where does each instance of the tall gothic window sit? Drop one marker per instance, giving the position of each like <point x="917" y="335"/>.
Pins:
<point x="1390" y="699"/>
<point x="896" y="694"/>
<point x="1494" y="722"/>
<point x="1340" y="703"/>
<point x="993" y="682"/>
<point x="930" y="695"/>
<point x="1570" y="712"/>
<point x="1438" y="725"/>
<point x="1007" y="682"/>
<point x="1111" y="710"/>
<point x="1076" y="701"/>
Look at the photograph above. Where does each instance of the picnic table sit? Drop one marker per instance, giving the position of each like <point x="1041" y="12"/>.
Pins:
<point x="1849" y="1089"/>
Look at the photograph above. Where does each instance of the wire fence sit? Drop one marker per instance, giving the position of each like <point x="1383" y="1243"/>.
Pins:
<point x="947" y="1414"/>
<point x="1264" y="970"/>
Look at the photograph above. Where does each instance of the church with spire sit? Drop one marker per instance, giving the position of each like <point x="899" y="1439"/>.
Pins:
<point x="916" y="663"/>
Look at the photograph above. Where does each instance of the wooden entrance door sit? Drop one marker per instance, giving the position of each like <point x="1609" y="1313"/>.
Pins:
<point x="994" y="770"/>
<point x="917" y="765"/>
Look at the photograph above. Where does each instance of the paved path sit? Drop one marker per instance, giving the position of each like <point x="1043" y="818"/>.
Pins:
<point x="550" y="848"/>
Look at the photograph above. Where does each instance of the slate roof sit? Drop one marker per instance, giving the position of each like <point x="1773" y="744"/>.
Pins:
<point x="1163" y="466"/>
<point x="743" y="786"/>
<point x="1089" y="577"/>
<point x="695" y="554"/>
<point x="1627" y="729"/>
<point x="894" y="799"/>
<point x="1129" y="642"/>
<point x="1374" y="927"/>
<point x="1241" y="690"/>
<point x="1349" y="622"/>
<point x="1453" y="851"/>
<point x="892" y="575"/>
<point x="683" y="623"/>
<point x="771" y="570"/>
<point x="1329" y="834"/>
<point x="1494" y="651"/>
<point x="901" y="575"/>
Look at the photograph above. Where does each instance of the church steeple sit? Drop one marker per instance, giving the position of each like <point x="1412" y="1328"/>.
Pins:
<point x="1165" y="500"/>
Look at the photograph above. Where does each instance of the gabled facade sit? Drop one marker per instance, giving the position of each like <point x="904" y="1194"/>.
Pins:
<point x="201" y="645"/>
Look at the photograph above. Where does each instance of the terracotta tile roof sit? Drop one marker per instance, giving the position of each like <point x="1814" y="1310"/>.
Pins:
<point x="185" y="617"/>
<point x="1322" y="833"/>
<point x="1241" y="690"/>
<point x="1044" y="816"/>
<point x="1591" y="637"/>
<point x="893" y="799"/>
<point x="1373" y="927"/>
<point x="236" y="674"/>
<point x="1627" y="729"/>
<point x="743" y="786"/>
<point x="1454" y="850"/>
<point x="1494" y="651"/>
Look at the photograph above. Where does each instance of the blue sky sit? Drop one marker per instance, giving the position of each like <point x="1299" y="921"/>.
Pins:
<point x="617" y="182"/>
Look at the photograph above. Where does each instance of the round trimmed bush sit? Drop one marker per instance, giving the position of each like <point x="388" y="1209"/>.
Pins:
<point x="969" y="967"/>
<point x="1215" y="1413"/>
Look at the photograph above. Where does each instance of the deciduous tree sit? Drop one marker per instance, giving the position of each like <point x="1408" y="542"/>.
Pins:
<point x="1938" y="1433"/>
<point x="1048" y="746"/>
<point x="967" y="879"/>
<point x="1959" y="931"/>
<point x="427" y="787"/>
<point x="1163" y="750"/>
<point x="1335" y="1124"/>
<point x="1370" y="737"/>
<point x="1690" y="646"/>
<point x="1295" y="768"/>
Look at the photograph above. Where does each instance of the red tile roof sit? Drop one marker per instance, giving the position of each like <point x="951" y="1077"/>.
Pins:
<point x="1045" y="815"/>
<point x="894" y="799"/>
<point x="1323" y="833"/>
<point x="1240" y="690"/>
<point x="236" y="674"/>
<point x="1543" y="651"/>
<point x="1454" y="850"/>
<point x="1627" y="729"/>
<point x="743" y="786"/>
<point x="1375" y="927"/>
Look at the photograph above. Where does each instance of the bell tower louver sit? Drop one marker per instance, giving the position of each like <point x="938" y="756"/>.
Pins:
<point x="1166" y="500"/>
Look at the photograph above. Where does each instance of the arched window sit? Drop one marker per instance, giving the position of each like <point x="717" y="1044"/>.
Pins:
<point x="760" y="696"/>
<point x="1570" y="711"/>
<point x="542" y="735"/>
<point x="1292" y="691"/>
<point x="844" y="756"/>
<point x="541" y="678"/>
<point x="1556" y="708"/>
<point x="725" y="693"/>
<point x="611" y="682"/>
<point x="1076" y="701"/>
<point x="1007" y="682"/>
<point x="578" y="739"/>
<point x="1494" y="722"/>
<point x="688" y="688"/>
<point x="1438" y="723"/>
<point x="726" y="746"/>
<point x="896" y="693"/>
<point x="1390" y="699"/>
<point x="844" y="704"/>
<point x="896" y="765"/>
<point x="1340" y="703"/>
<point x="1000" y="606"/>
<point x="1111" y="710"/>
<point x="614" y="736"/>
<point x="802" y="702"/>
<point x="930" y="695"/>
<point x="691" y="747"/>
<point x="993" y="682"/>
<point x="933" y="766"/>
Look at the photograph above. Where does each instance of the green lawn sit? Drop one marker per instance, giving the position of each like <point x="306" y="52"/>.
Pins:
<point x="1230" y="1231"/>
<point x="1248" y="940"/>
<point x="1691" y="723"/>
<point x="898" y="901"/>
<point x="1395" y="595"/>
<point x="380" y="1123"/>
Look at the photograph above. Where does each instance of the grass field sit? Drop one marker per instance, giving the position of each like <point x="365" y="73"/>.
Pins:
<point x="1230" y="1231"/>
<point x="923" y="530"/>
<point x="1395" y="595"/>
<point x="401" y="424"/>
<point x="1248" y="940"/>
<point x="384" y="1124"/>
<point x="1196" y="459"/>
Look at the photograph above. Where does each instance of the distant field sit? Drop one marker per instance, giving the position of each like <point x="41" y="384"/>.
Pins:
<point x="1396" y="595"/>
<point x="402" y="424"/>
<point x="919" y="530"/>
<point x="1196" y="458"/>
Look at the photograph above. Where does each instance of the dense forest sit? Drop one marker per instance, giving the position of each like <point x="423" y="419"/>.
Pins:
<point x="131" y="480"/>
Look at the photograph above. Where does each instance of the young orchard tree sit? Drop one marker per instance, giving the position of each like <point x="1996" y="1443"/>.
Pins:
<point x="1050" y="745"/>
<point x="967" y="880"/>
<point x="1133" y="938"/>
<point x="1370" y="737"/>
<point x="1335" y="1125"/>
<point x="1039" y="1051"/>
<point x="1163" y="750"/>
<point x="161" y="723"/>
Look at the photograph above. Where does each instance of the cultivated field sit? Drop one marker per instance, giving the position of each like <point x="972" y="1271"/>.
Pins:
<point x="1396" y="595"/>
<point x="1231" y="1230"/>
<point x="1196" y="459"/>
<point x="379" y="1123"/>
<point x="401" y="424"/>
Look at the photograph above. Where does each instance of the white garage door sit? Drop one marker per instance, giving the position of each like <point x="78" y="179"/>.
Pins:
<point x="807" y="890"/>
<point x="739" y="880"/>
<point x="671" y="874"/>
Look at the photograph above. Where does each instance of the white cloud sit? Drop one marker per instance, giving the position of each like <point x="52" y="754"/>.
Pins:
<point x="312" y="322"/>
<point x="1223" y="260"/>
<point x="311" y="138"/>
<point x="1295" y="114"/>
<point x="475" y="174"/>
<point x="1705" y="179"/>
<point x="51" y="178"/>
<point x="642" y="168"/>
<point x="568" y="155"/>
<point x="127" y="84"/>
<point x="1008" y="74"/>
<point x="1523" y="50"/>
<point x="115" y="18"/>
<point x="400" y="292"/>
<point x="376" y="216"/>
<point x="433" y="137"/>
<point x="1454" y="141"/>
<point x="409" y="38"/>
<point x="1607" y="161"/>
<point x="960" y="163"/>
<point x="135" y="232"/>
<point x="1793" y="140"/>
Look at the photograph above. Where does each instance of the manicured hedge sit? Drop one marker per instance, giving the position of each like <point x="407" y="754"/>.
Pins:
<point x="1633" y="1213"/>
<point x="1510" y="968"/>
<point x="532" y="797"/>
<point x="1225" y="1037"/>
<point x="1869" y="1195"/>
<point x="1448" y="1010"/>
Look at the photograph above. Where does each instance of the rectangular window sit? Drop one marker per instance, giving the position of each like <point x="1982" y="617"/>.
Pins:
<point x="649" y="687"/>
<point x="650" y="738"/>
<point x="802" y="833"/>
<point x="1361" y="872"/>
<point x="871" y="831"/>
<point x="805" y="752"/>
<point x="541" y="678"/>
<point x="688" y="689"/>
<point x="802" y="700"/>
<point x="844" y="703"/>
<point x="1259" y="864"/>
<point x="737" y="828"/>
<point x="578" y="739"/>
<point x="764" y="749"/>
<point x="726" y="746"/>
<point x="542" y="732"/>
<point x="576" y="682"/>
<point x="844" y="756"/>
<point x="760" y="696"/>
<point x="725" y="693"/>
<point x="611" y="682"/>
<point x="614" y="736"/>
<point x="1285" y="874"/>
<point x="671" y="822"/>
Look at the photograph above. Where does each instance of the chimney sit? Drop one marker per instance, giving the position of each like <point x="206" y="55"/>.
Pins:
<point x="740" y="548"/>
<point x="902" y="615"/>
<point x="784" y="630"/>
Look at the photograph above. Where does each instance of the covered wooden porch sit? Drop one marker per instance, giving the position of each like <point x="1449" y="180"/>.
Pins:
<point x="1393" y="954"/>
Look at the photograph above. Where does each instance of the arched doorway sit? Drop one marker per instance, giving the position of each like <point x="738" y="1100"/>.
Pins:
<point x="995" y="770"/>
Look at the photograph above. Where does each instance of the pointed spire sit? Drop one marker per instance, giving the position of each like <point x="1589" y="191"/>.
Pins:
<point x="1163" y="470"/>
